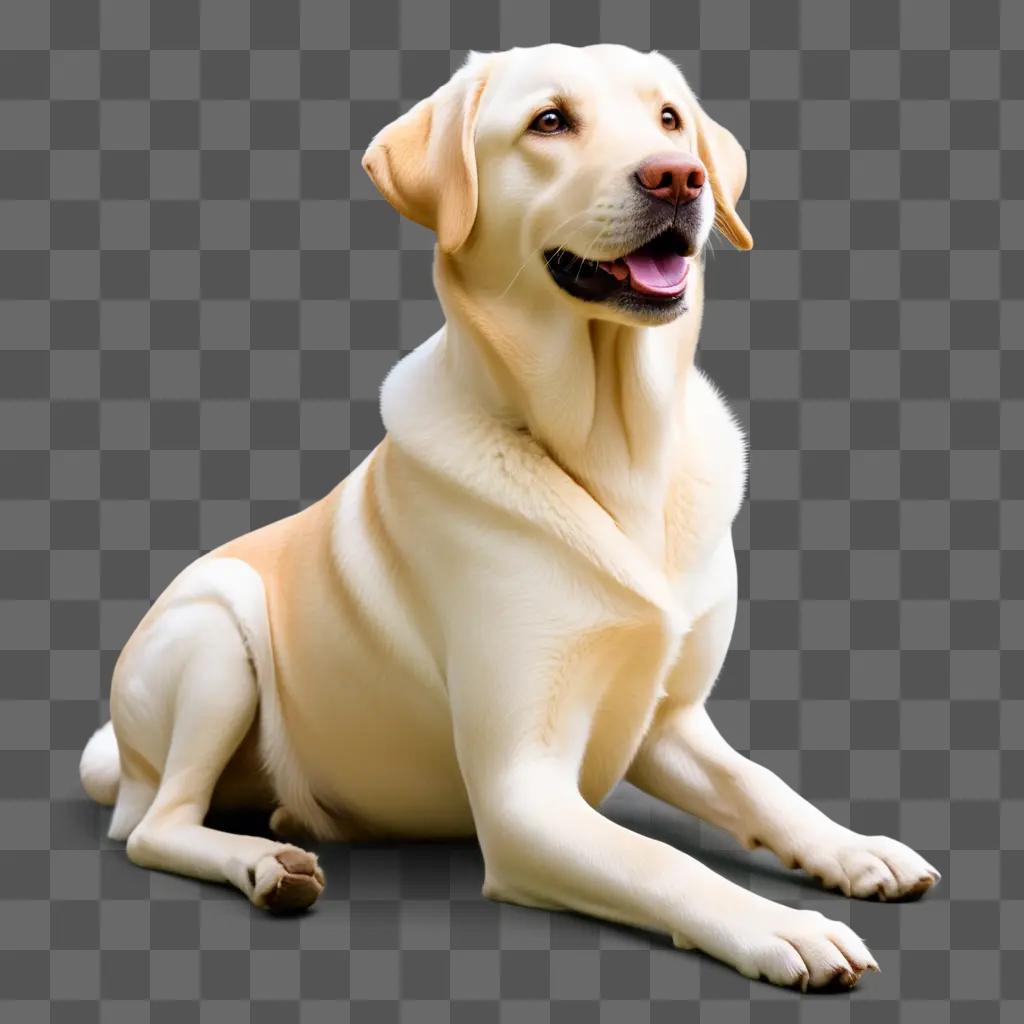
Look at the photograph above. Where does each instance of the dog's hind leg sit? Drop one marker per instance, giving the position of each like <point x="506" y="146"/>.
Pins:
<point x="214" y="706"/>
<point x="134" y="797"/>
<point x="100" y="770"/>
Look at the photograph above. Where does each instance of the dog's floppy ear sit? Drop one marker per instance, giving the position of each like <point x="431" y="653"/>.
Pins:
<point x="424" y="162"/>
<point x="726" y="165"/>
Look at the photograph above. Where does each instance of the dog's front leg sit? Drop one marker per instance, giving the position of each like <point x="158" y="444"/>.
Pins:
<point x="545" y="846"/>
<point x="685" y="761"/>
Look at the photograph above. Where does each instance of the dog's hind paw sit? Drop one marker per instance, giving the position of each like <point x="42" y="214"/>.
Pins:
<point x="287" y="881"/>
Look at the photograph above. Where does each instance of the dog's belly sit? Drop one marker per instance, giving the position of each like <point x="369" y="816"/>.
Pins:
<point x="379" y="757"/>
<point x="372" y="736"/>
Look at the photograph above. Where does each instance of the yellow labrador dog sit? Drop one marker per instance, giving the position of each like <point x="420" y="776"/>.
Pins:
<point x="525" y="593"/>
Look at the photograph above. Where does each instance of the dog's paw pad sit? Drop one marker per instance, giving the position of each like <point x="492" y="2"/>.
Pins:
<point x="290" y="880"/>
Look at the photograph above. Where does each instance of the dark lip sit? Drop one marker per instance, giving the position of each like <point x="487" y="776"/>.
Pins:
<point x="584" y="279"/>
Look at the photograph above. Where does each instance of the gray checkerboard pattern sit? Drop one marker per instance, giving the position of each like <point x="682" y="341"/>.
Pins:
<point x="200" y="293"/>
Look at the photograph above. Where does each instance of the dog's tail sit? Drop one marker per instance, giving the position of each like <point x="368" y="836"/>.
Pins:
<point x="100" y="767"/>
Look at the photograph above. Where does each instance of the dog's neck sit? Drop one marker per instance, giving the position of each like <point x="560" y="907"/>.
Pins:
<point x="604" y="399"/>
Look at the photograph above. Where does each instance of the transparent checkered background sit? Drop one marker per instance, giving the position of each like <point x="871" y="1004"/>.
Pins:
<point x="200" y="293"/>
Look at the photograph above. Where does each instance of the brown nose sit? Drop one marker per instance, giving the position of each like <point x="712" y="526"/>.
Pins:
<point x="674" y="177"/>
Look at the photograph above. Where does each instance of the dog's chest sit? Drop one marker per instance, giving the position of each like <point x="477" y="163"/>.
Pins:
<point x="699" y="569"/>
<point x="624" y="675"/>
<point x="601" y="701"/>
<point x="707" y="488"/>
<point x="621" y="672"/>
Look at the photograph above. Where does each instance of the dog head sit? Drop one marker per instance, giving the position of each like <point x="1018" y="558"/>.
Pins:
<point x="590" y="177"/>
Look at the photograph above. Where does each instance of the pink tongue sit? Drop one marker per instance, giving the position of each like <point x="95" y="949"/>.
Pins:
<point x="657" y="272"/>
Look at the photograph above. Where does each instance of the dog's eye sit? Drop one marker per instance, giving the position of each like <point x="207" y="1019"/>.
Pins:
<point x="549" y="122"/>
<point x="670" y="119"/>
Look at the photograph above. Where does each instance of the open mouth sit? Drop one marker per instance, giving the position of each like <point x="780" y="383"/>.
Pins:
<point x="654" y="274"/>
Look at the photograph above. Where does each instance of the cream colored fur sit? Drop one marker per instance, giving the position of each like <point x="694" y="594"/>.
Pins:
<point x="523" y="595"/>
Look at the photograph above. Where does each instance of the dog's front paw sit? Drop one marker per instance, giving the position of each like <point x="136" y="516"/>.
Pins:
<point x="798" y="948"/>
<point x="868" y="866"/>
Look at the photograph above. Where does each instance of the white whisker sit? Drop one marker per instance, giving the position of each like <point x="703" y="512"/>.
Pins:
<point x="540" y="248"/>
<point x="592" y="243"/>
